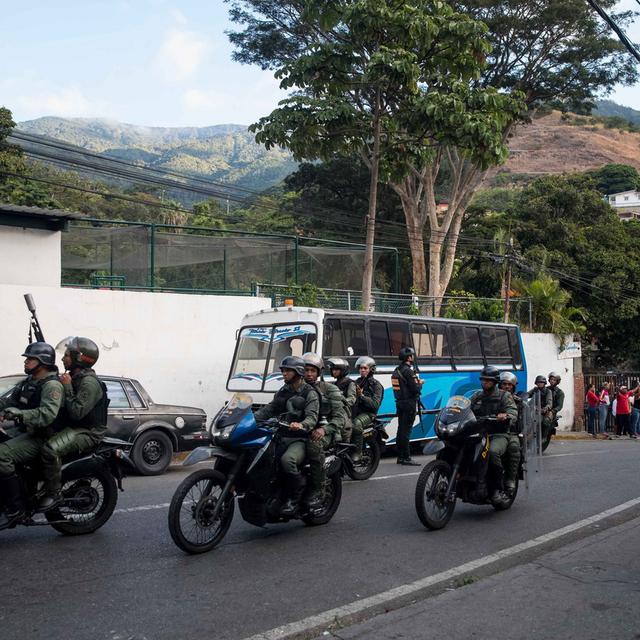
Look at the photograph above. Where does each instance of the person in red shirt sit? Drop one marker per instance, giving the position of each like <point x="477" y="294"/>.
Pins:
<point x="623" y="411"/>
<point x="593" y="402"/>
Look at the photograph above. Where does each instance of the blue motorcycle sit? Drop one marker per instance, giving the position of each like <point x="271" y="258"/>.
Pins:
<point x="246" y="467"/>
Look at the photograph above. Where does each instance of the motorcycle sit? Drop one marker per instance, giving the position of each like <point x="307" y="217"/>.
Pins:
<point x="374" y="440"/>
<point x="246" y="456"/>
<point x="89" y="490"/>
<point x="452" y="475"/>
<point x="549" y="432"/>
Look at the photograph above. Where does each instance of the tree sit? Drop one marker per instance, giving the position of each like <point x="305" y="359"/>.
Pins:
<point x="388" y="81"/>
<point x="548" y="50"/>
<point x="614" y="178"/>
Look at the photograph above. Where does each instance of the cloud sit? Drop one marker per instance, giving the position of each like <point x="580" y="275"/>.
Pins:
<point x="66" y="102"/>
<point x="199" y="101"/>
<point x="180" y="54"/>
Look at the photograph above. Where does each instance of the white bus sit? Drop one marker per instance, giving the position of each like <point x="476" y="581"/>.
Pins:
<point x="450" y="353"/>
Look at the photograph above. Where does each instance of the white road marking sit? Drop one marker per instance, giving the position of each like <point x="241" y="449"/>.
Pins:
<point x="575" y="453"/>
<point x="395" y="475"/>
<point x="325" y="619"/>
<point x="144" y="507"/>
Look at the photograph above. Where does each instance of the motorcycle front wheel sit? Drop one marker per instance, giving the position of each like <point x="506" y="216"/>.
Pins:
<point x="191" y="525"/>
<point x="89" y="496"/>
<point x="368" y="465"/>
<point x="332" y="497"/>
<point x="433" y="511"/>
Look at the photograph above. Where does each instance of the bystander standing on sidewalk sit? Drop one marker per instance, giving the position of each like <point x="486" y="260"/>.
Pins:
<point x="623" y="411"/>
<point x="603" y="408"/>
<point x="593" y="402"/>
<point x="635" y="412"/>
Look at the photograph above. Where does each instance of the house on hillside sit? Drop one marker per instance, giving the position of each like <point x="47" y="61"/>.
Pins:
<point x="626" y="204"/>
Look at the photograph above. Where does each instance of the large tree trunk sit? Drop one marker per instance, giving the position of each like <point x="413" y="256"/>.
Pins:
<point x="367" y="271"/>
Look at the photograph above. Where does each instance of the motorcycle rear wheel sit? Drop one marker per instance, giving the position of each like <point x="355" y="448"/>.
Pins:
<point x="332" y="497"/>
<point x="433" y="512"/>
<point x="89" y="495"/>
<point x="368" y="465"/>
<point x="546" y="441"/>
<point x="191" y="508"/>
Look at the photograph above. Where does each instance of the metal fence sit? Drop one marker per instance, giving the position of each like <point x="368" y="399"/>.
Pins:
<point x="629" y="379"/>
<point x="130" y="255"/>
<point x="469" y="308"/>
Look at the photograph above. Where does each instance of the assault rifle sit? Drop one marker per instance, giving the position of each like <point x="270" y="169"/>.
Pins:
<point x="34" y="325"/>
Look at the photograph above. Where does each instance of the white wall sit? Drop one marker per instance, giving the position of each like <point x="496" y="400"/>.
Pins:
<point x="30" y="255"/>
<point x="178" y="346"/>
<point x="541" y="352"/>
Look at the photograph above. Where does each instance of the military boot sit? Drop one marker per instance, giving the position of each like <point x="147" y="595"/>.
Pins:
<point x="317" y="478"/>
<point x="10" y="489"/>
<point x="498" y="496"/>
<point x="357" y="439"/>
<point x="294" y="483"/>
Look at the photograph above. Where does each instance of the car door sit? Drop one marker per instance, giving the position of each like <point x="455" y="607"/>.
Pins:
<point x="122" y="420"/>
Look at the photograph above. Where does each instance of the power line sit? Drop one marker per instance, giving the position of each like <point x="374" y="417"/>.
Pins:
<point x="620" y="33"/>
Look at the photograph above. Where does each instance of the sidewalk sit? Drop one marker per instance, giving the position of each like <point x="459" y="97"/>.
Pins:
<point x="587" y="590"/>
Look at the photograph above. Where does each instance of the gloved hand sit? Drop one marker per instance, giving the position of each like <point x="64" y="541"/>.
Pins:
<point x="13" y="413"/>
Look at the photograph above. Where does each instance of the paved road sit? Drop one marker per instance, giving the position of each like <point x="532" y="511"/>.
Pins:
<point x="129" y="581"/>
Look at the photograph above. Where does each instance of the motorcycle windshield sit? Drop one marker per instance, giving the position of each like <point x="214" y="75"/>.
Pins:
<point x="457" y="409"/>
<point x="239" y="405"/>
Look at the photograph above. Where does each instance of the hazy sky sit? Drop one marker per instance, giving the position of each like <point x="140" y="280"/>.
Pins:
<point x="148" y="62"/>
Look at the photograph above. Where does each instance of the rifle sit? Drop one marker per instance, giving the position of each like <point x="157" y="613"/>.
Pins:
<point x="34" y="325"/>
<point x="421" y="406"/>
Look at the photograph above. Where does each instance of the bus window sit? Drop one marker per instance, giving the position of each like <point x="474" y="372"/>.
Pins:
<point x="379" y="338"/>
<point x="496" y="344"/>
<point x="355" y="342"/>
<point x="288" y="340"/>
<point x="398" y="336"/>
<point x="439" y="342"/>
<point x="247" y="373"/>
<point x="465" y="344"/>
<point x="333" y="344"/>
<point x="421" y="341"/>
<point x="515" y="347"/>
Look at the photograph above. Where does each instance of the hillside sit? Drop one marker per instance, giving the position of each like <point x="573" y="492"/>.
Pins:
<point x="611" y="108"/>
<point x="552" y="144"/>
<point x="223" y="153"/>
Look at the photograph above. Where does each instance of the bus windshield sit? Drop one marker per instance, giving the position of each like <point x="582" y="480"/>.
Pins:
<point x="260" y="350"/>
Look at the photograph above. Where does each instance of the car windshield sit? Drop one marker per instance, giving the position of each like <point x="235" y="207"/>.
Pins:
<point x="261" y="349"/>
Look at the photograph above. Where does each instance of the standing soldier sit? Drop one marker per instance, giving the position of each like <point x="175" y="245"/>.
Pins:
<point x="84" y="416"/>
<point x="508" y="383"/>
<point x="492" y="402"/>
<point x="406" y="389"/>
<point x="339" y="368"/>
<point x="332" y="424"/>
<point x="299" y="402"/>
<point x="369" y="394"/>
<point x="34" y="404"/>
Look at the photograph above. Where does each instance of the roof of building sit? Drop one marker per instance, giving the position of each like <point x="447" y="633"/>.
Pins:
<point x="622" y="193"/>
<point x="14" y="215"/>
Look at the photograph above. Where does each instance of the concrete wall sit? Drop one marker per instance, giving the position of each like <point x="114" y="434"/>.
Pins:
<point x="30" y="255"/>
<point x="178" y="346"/>
<point x="541" y="351"/>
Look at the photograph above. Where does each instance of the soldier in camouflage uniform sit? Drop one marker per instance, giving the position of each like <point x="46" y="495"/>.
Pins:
<point x="339" y="368"/>
<point x="34" y="404"/>
<point x="508" y="383"/>
<point x="300" y="405"/>
<point x="369" y="394"/>
<point x="83" y="418"/>
<point x="332" y="423"/>
<point x="495" y="403"/>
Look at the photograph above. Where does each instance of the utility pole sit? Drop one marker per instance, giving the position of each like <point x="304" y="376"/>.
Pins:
<point x="507" y="284"/>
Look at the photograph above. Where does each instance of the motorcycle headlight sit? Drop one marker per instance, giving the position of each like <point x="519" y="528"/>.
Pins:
<point x="224" y="433"/>
<point x="447" y="429"/>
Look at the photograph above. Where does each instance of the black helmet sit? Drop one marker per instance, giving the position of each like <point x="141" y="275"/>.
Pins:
<point x="338" y="363"/>
<point x="509" y="378"/>
<point x="540" y="379"/>
<point x="490" y="373"/>
<point x="314" y="360"/>
<point x="295" y="363"/>
<point x="367" y="361"/>
<point x="405" y="352"/>
<point x="44" y="353"/>
<point x="84" y="352"/>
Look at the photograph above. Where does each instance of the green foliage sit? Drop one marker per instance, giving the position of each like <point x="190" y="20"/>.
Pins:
<point x="470" y="309"/>
<point x="610" y="108"/>
<point x="614" y="178"/>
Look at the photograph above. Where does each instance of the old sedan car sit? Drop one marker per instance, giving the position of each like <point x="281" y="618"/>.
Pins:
<point x="156" y="430"/>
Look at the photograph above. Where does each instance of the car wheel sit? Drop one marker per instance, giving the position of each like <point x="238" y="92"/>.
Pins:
<point x="152" y="452"/>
